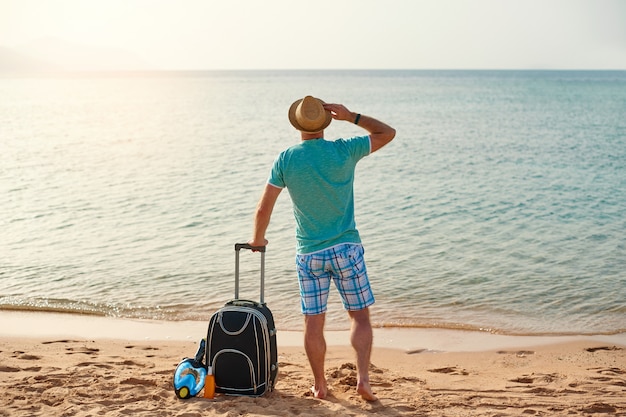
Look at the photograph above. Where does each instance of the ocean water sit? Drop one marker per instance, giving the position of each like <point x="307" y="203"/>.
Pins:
<point x="500" y="206"/>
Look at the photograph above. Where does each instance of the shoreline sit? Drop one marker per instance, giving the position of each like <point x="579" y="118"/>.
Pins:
<point x="17" y="324"/>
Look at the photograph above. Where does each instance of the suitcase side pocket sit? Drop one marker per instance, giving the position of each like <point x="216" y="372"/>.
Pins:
<point x="234" y="372"/>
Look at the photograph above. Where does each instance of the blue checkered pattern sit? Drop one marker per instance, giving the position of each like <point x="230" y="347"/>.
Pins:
<point x="345" y="265"/>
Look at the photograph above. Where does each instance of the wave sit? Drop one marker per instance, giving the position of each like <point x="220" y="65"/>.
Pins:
<point x="157" y="314"/>
<point x="495" y="331"/>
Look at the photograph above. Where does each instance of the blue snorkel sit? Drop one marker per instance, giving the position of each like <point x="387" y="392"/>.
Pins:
<point x="190" y="374"/>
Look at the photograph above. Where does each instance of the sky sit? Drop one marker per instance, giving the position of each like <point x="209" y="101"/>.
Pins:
<point x="325" y="34"/>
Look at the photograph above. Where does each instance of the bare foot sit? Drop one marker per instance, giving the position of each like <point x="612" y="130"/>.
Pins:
<point x="319" y="393"/>
<point x="364" y="389"/>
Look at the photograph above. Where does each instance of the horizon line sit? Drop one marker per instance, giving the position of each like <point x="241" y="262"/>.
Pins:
<point x="117" y="71"/>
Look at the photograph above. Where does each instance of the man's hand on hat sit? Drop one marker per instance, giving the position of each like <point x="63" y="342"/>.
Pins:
<point x="339" y="112"/>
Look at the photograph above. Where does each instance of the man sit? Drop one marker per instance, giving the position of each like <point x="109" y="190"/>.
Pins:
<point x="319" y="176"/>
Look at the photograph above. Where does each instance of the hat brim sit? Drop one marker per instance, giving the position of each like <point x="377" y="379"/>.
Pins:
<point x="294" y="122"/>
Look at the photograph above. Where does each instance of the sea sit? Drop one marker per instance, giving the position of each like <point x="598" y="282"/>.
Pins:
<point x="499" y="207"/>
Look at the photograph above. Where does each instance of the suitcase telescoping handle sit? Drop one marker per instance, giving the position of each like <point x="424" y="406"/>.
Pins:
<point x="238" y="247"/>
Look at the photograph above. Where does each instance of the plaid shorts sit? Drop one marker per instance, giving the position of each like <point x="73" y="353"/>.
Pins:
<point x="346" y="266"/>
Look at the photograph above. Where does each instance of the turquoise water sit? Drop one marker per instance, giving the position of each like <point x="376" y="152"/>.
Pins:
<point x="500" y="205"/>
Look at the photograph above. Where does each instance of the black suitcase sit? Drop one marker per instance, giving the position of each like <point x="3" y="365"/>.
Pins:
<point x="241" y="341"/>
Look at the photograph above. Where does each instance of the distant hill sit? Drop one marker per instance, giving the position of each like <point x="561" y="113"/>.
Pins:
<point x="51" y="54"/>
<point x="13" y="61"/>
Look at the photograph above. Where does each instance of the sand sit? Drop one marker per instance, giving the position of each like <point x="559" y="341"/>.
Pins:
<point x="61" y="368"/>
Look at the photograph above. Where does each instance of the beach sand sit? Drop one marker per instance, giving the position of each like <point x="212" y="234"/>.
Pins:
<point x="63" y="365"/>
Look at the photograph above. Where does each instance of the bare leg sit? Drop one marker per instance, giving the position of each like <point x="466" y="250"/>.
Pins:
<point x="315" y="347"/>
<point x="361" y="337"/>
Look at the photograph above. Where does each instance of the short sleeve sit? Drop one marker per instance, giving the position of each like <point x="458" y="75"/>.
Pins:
<point x="358" y="147"/>
<point x="276" y="174"/>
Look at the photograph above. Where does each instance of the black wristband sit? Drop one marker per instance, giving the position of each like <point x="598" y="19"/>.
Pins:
<point x="358" y="117"/>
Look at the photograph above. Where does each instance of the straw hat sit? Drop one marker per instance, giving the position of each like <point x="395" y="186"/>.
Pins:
<point x="308" y="115"/>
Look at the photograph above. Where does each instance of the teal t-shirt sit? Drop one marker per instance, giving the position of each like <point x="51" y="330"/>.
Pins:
<point x="319" y="176"/>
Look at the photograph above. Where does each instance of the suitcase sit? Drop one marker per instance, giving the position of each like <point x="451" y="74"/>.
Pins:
<point x="241" y="346"/>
